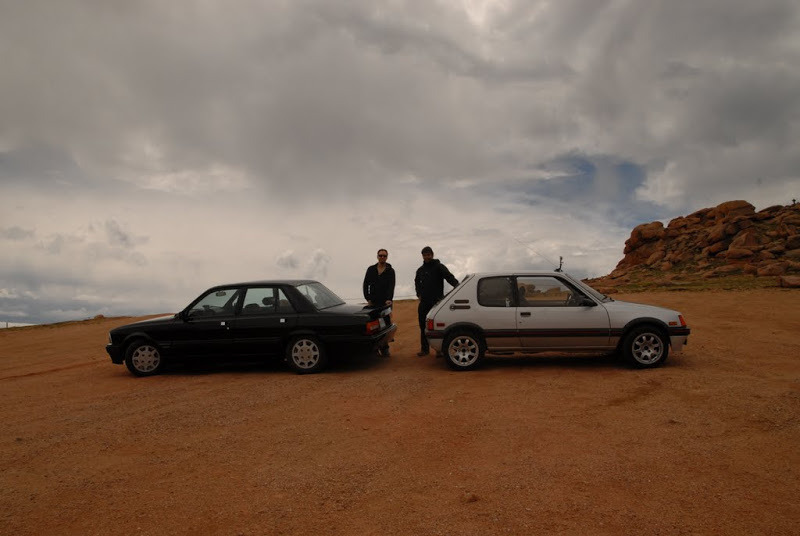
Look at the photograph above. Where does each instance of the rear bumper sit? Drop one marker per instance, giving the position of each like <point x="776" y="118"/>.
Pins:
<point x="385" y="338"/>
<point x="365" y="342"/>
<point x="435" y="339"/>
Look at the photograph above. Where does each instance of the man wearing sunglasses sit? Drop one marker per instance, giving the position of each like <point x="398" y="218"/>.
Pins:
<point x="379" y="286"/>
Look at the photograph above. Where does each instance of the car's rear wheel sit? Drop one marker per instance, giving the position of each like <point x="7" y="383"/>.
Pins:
<point x="306" y="354"/>
<point x="645" y="347"/>
<point x="143" y="358"/>
<point x="463" y="350"/>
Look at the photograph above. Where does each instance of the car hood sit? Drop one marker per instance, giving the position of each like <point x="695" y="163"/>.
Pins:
<point x="637" y="309"/>
<point x="149" y="322"/>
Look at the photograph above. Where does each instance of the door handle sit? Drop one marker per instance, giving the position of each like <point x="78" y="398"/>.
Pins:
<point x="526" y="313"/>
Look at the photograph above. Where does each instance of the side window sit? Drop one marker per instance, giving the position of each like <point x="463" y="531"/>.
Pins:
<point x="495" y="292"/>
<point x="259" y="300"/>
<point x="283" y="304"/>
<point x="265" y="300"/>
<point x="217" y="303"/>
<point x="543" y="292"/>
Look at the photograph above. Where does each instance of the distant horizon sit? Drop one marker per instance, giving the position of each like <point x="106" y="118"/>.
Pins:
<point x="4" y="325"/>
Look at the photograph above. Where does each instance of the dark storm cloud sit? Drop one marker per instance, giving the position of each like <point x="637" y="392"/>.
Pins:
<point x="38" y="165"/>
<point x="16" y="233"/>
<point x="336" y="95"/>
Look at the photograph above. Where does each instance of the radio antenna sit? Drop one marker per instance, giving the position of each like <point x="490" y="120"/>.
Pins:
<point x="526" y="246"/>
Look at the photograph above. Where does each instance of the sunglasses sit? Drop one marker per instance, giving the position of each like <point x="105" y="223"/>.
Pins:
<point x="381" y="255"/>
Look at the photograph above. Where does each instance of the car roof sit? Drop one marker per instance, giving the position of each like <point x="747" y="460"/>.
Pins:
<point x="265" y="282"/>
<point x="521" y="272"/>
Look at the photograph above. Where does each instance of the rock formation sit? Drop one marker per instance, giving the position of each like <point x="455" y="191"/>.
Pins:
<point x="729" y="239"/>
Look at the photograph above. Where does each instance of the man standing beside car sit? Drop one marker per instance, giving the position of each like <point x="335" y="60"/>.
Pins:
<point x="379" y="286"/>
<point x="429" y="284"/>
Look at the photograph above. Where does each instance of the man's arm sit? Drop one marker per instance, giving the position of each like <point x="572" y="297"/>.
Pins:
<point x="366" y="285"/>
<point x="391" y="283"/>
<point x="450" y="278"/>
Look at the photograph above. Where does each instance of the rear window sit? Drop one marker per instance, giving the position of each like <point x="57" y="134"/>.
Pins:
<point x="319" y="295"/>
<point x="495" y="292"/>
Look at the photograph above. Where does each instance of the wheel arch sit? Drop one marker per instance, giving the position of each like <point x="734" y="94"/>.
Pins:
<point x="660" y="325"/>
<point x="140" y="335"/>
<point x="303" y="331"/>
<point x="467" y="326"/>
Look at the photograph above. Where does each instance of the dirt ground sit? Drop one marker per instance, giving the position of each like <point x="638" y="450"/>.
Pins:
<point x="706" y="444"/>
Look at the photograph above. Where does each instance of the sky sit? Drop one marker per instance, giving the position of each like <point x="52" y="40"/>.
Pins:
<point x="151" y="149"/>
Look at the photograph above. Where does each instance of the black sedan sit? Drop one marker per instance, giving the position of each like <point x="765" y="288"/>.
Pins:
<point x="299" y="319"/>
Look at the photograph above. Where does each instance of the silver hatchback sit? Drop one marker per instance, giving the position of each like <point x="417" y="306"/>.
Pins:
<point x="531" y="312"/>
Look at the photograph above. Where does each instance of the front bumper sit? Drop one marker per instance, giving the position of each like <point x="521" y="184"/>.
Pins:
<point x="678" y="343"/>
<point x="678" y="338"/>
<point x="116" y="354"/>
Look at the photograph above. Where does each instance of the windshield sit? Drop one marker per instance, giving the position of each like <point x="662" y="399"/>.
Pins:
<point x="599" y="296"/>
<point x="593" y="293"/>
<point x="319" y="295"/>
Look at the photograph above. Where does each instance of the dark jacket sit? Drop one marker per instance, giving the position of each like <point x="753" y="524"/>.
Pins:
<point x="379" y="287"/>
<point x="429" y="281"/>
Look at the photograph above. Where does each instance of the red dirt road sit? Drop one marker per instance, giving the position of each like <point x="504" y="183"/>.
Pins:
<point x="706" y="444"/>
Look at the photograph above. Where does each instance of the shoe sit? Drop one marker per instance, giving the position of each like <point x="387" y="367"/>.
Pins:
<point x="422" y="353"/>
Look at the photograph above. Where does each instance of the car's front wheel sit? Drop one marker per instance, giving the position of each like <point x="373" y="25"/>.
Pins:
<point x="306" y="354"/>
<point x="645" y="347"/>
<point x="143" y="358"/>
<point x="463" y="350"/>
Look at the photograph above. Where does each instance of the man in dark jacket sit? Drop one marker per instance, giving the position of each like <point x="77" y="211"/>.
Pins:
<point x="429" y="284"/>
<point x="379" y="286"/>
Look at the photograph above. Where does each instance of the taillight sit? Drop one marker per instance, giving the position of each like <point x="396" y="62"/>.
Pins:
<point x="429" y="324"/>
<point x="373" y="326"/>
<point x="682" y="321"/>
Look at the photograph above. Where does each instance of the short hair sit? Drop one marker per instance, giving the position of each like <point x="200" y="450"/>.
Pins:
<point x="383" y="249"/>
<point x="427" y="249"/>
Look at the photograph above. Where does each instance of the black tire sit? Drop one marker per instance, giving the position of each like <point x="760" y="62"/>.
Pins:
<point x="463" y="350"/>
<point x="143" y="358"/>
<point x="645" y="347"/>
<point x="305" y="354"/>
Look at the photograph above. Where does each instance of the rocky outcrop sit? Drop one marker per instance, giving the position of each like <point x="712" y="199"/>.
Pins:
<point x="789" y="281"/>
<point x="731" y="238"/>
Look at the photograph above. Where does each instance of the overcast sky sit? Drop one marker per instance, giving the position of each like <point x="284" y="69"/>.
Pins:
<point x="151" y="149"/>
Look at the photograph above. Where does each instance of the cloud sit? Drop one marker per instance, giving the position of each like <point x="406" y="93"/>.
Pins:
<point x="317" y="267"/>
<point x="15" y="233"/>
<point x="287" y="260"/>
<point x="149" y="150"/>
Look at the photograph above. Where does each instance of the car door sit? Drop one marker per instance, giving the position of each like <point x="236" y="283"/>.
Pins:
<point x="496" y="312"/>
<point x="551" y="315"/>
<point x="264" y="321"/>
<point x="205" y="327"/>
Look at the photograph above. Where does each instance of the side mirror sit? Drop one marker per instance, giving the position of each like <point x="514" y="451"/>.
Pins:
<point x="586" y="302"/>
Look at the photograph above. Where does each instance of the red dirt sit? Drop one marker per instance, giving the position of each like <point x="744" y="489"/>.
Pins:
<point x="706" y="444"/>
